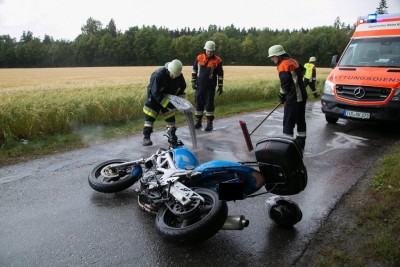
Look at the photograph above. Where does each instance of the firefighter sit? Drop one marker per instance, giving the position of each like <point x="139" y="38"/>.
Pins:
<point x="207" y="74"/>
<point x="165" y="80"/>
<point x="310" y="76"/>
<point x="292" y="93"/>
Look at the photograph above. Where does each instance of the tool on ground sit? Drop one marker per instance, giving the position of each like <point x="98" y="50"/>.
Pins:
<point x="246" y="133"/>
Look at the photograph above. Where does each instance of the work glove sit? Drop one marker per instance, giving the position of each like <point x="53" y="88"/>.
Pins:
<point x="220" y="90"/>
<point x="282" y="98"/>
<point x="194" y="85"/>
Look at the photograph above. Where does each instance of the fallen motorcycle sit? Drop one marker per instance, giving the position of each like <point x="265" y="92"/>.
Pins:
<point x="190" y="199"/>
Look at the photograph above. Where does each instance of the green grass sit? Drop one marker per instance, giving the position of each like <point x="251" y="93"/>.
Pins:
<point x="43" y="119"/>
<point x="382" y="213"/>
<point x="373" y="238"/>
<point x="15" y="151"/>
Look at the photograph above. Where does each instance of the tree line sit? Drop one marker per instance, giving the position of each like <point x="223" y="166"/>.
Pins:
<point x="151" y="45"/>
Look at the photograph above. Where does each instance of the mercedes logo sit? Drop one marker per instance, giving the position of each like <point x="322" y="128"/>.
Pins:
<point x="359" y="92"/>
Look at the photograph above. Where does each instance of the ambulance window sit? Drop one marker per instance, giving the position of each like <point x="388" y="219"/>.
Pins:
<point x="372" y="52"/>
<point x="348" y="56"/>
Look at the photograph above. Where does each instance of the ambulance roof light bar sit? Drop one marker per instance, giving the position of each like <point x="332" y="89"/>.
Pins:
<point x="371" y="18"/>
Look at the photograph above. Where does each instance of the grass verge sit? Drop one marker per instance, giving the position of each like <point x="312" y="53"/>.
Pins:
<point x="363" y="230"/>
<point x="22" y="150"/>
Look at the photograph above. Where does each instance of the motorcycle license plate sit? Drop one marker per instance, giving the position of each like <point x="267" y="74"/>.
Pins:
<point x="357" y="114"/>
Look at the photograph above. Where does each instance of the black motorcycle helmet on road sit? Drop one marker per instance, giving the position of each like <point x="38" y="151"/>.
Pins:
<point x="285" y="212"/>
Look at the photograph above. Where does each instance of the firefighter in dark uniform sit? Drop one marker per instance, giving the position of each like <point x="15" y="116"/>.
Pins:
<point x="292" y="93"/>
<point x="310" y="76"/>
<point x="165" y="80"/>
<point x="207" y="74"/>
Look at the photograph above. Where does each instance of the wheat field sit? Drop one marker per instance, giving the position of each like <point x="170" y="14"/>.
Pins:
<point x="43" y="101"/>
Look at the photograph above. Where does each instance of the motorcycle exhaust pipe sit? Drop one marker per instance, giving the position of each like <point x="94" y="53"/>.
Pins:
<point x="235" y="222"/>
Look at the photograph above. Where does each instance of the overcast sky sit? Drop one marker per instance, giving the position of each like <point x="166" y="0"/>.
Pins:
<point x="63" y="19"/>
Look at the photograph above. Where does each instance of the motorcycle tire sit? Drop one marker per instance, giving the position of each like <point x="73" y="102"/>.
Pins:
<point x="202" y="226"/>
<point x="100" y="183"/>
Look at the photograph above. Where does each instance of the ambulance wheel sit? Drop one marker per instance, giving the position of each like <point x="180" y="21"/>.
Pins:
<point x="331" y="120"/>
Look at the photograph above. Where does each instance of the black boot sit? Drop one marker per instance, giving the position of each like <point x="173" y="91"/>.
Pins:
<point x="172" y="138"/>
<point x="209" y="126"/>
<point x="146" y="136"/>
<point x="198" y="125"/>
<point x="301" y="142"/>
<point x="316" y="94"/>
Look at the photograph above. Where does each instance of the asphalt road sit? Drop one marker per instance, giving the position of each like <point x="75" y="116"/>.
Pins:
<point x="51" y="217"/>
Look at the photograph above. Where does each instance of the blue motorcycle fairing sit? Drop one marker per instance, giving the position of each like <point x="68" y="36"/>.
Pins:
<point x="184" y="158"/>
<point x="216" y="164"/>
<point x="213" y="173"/>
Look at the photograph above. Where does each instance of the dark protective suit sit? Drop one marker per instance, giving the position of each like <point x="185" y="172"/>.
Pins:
<point x="206" y="75"/>
<point x="156" y="102"/>
<point x="292" y="87"/>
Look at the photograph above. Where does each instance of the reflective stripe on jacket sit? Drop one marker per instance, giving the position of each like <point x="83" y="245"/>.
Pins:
<point x="161" y="84"/>
<point x="291" y="78"/>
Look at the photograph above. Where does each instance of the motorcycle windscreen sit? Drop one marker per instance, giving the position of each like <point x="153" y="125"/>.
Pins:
<point x="190" y="123"/>
<point x="184" y="106"/>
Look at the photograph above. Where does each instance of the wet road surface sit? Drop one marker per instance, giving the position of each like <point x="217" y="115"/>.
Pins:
<point x="51" y="217"/>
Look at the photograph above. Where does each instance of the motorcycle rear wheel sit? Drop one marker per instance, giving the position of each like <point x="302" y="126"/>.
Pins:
<point x="113" y="182"/>
<point x="195" y="229"/>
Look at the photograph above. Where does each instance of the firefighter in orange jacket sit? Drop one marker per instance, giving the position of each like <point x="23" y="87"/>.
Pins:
<point x="292" y="93"/>
<point x="207" y="74"/>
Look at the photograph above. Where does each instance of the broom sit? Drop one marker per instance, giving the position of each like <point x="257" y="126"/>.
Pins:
<point x="246" y="133"/>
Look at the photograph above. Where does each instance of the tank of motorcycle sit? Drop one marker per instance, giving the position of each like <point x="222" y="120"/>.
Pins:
<point x="184" y="159"/>
<point x="231" y="180"/>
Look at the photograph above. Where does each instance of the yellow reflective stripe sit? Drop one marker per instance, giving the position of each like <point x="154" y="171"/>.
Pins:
<point x="165" y="103"/>
<point x="169" y="115"/>
<point x="148" y="112"/>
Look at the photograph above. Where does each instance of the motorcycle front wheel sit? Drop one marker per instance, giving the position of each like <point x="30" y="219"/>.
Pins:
<point x="204" y="223"/>
<point x="110" y="180"/>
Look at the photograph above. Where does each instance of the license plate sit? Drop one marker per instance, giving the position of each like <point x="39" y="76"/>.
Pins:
<point x="357" y="114"/>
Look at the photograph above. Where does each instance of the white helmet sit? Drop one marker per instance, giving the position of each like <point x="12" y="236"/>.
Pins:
<point x="276" y="50"/>
<point x="210" y="46"/>
<point x="312" y="59"/>
<point x="175" y="67"/>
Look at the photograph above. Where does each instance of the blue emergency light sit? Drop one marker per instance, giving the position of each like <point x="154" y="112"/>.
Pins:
<point x="372" y="18"/>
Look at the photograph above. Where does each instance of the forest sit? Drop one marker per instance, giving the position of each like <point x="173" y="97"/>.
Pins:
<point x="153" y="46"/>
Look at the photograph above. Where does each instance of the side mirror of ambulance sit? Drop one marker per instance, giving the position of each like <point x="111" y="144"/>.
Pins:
<point x="334" y="61"/>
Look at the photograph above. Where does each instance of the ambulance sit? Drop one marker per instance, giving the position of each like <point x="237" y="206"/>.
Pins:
<point x="365" y="82"/>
